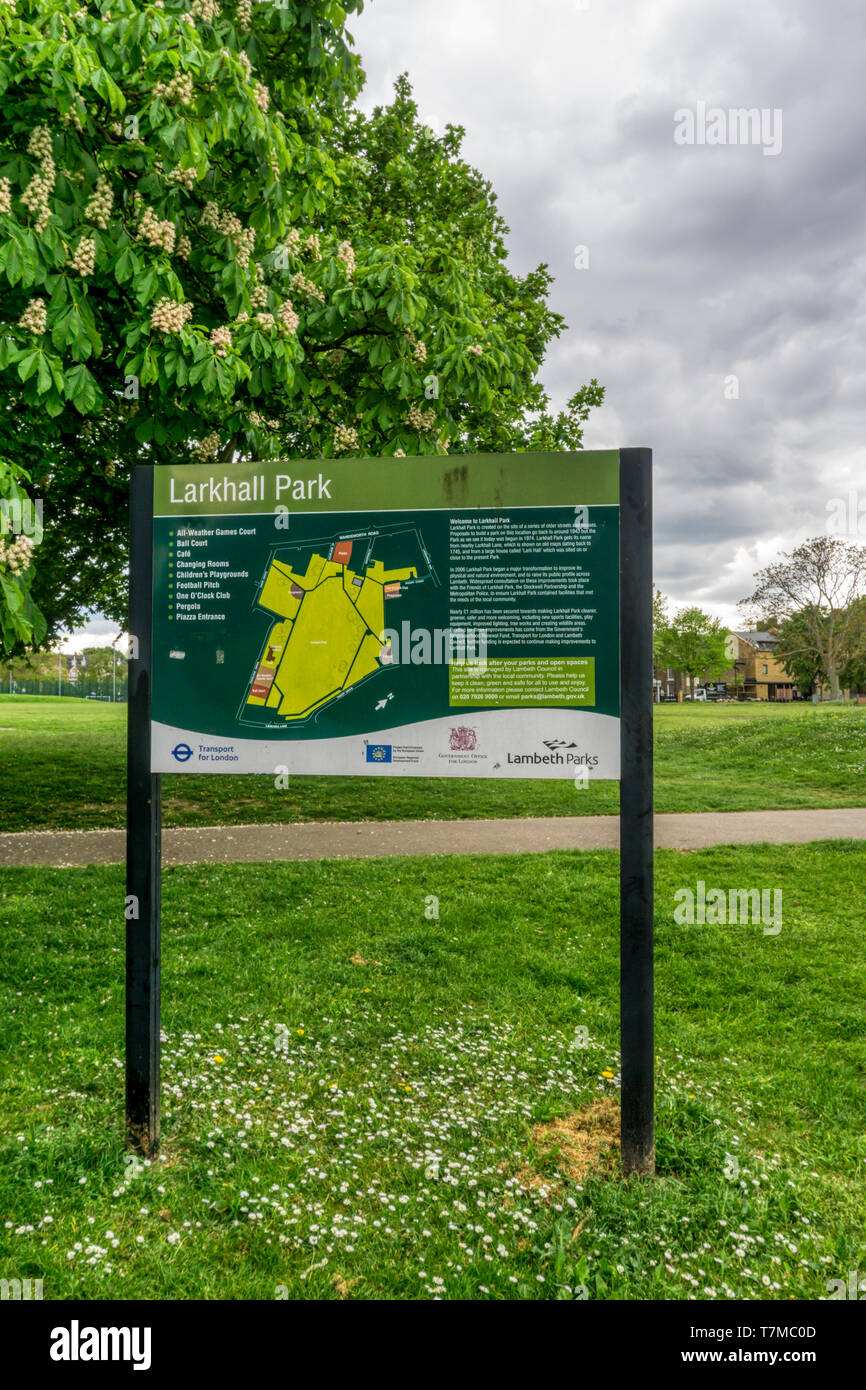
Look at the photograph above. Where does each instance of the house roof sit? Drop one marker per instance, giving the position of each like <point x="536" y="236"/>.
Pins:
<point x="761" y="640"/>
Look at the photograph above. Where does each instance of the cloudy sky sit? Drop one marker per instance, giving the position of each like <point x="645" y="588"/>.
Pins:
<point x="705" y="261"/>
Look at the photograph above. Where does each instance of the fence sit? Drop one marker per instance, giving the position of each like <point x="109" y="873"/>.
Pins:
<point x="83" y="689"/>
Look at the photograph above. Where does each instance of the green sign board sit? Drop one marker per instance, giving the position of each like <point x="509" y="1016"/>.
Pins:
<point x="483" y="616"/>
<point x="426" y="617"/>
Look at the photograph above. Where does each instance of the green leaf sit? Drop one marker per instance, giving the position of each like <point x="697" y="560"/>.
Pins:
<point x="9" y="353"/>
<point x="125" y="266"/>
<point x="380" y="353"/>
<point x="81" y="389"/>
<point x="43" y="381"/>
<point x="29" y="363"/>
<point x="108" y="89"/>
<point x="12" y="594"/>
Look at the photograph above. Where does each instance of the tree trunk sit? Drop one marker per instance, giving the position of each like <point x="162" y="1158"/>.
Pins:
<point x="832" y="668"/>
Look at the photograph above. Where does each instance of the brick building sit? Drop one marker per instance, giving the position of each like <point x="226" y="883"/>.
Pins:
<point x="755" y="669"/>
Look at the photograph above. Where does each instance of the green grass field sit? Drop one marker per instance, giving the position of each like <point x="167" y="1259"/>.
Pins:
<point x="62" y="765"/>
<point x="350" y="1085"/>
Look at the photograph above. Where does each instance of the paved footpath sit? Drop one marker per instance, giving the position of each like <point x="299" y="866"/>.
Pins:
<point x="225" y="844"/>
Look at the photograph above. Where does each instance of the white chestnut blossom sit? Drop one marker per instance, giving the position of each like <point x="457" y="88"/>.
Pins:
<point x="99" y="207"/>
<point x="35" y="317"/>
<point x="345" y="438"/>
<point x="170" y="317"/>
<point x="84" y="259"/>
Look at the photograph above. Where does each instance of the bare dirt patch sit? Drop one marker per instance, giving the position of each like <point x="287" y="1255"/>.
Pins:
<point x="574" y="1144"/>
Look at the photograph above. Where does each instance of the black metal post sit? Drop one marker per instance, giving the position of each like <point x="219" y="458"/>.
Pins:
<point x="636" y="812"/>
<point x="143" y="839"/>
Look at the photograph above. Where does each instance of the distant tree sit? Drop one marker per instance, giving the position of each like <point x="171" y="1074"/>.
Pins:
<point x="854" y="671"/>
<point x="820" y="581"/>
<point x="98" y="662"/>
<point x="695" y="644"/>
<point x="660" y="618"/>
<point x="799" y="652"/>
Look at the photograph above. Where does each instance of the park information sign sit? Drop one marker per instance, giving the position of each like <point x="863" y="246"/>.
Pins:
<point x="478" y="616"/>
<point x="389" y="617"/>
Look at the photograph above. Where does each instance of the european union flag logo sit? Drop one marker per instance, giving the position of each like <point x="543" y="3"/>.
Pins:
<point x="378" y="752"/>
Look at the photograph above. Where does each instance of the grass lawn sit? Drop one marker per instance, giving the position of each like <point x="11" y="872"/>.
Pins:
<point x="359" y="1097"/>
<point x="62" y="765"/>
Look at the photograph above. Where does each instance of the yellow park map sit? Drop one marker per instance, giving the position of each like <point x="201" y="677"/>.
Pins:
<point x="329" y="632"/>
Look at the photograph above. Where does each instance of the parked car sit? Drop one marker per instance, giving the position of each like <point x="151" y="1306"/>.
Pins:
<point x="700" y="694"/>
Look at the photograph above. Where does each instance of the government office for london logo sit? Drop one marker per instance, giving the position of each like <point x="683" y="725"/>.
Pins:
<point x="463" y="740"/>
<point x="379" y="752"/>
<point x="181" y="752"/>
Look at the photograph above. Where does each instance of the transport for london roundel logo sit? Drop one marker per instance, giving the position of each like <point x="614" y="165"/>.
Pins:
<point x="182" y="752"/>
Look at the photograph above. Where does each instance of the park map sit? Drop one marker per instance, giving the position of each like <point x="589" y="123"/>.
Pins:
<point x="329" y="632"/>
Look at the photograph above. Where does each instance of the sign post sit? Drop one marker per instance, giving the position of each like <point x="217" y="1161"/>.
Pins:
<point x="636" y="813"/>
<point x="143" y="838"/>
<point x="480" y="616"/>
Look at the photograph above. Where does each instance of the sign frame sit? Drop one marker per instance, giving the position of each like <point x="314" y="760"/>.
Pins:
<point x="144" y="824"/>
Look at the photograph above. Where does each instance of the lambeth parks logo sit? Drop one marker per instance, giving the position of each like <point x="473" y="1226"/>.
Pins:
<point x="463" y="740"/>
<point x="560" y="754"/>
